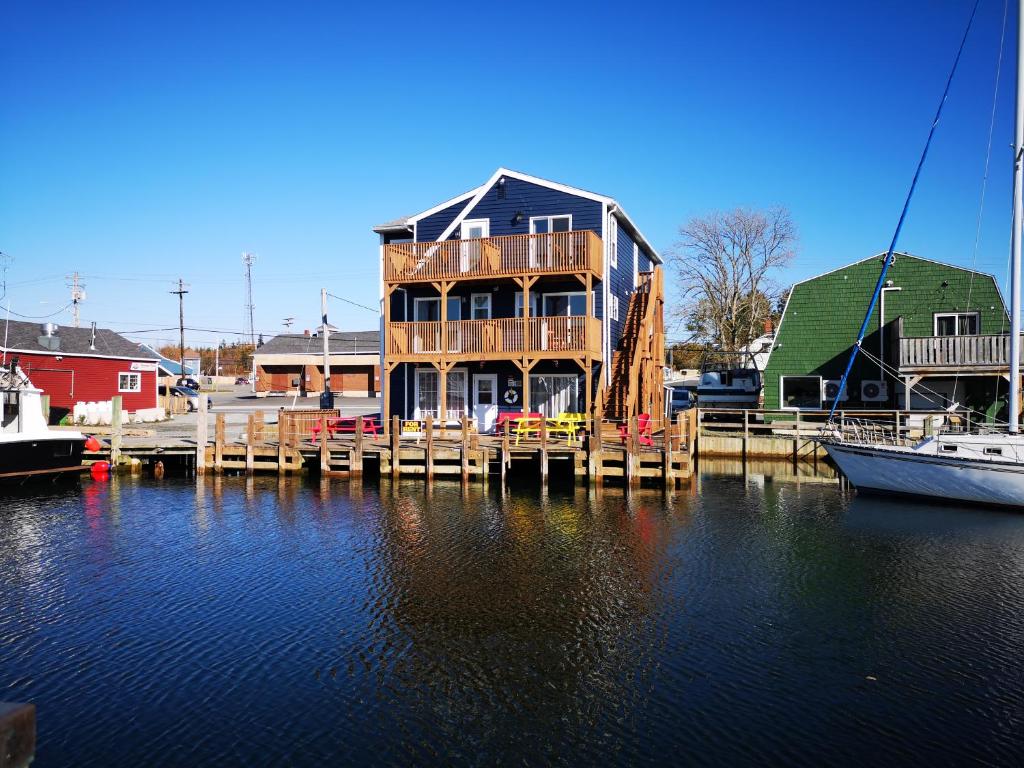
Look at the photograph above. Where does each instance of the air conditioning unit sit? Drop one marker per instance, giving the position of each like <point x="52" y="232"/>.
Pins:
<point x="830" y="390"/>
<point x="872" y="391"/>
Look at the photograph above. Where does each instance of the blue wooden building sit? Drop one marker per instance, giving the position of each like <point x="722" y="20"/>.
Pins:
<point x="520" y="295"/>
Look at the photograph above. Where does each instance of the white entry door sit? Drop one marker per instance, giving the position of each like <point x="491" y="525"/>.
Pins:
<point x="469" y="254"/>
<point x="485" y="401"/>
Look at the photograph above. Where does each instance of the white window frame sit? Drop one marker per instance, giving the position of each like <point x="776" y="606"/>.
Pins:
<point x="544" y="296"/>
<point x="472" y="306"/>
<point x="138" y="381"/>
<point x="614" y="313"/>
<point x="956" y="325"/>
<point x="534" y="300"/>
<point x="549" y="219"/>
<point x="417" y="414"/>
<point x="485" y="224"/>
<point x="534" y="388"/>
<point x="782" y="392"/>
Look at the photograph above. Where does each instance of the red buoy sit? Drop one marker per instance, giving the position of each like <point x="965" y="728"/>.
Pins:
<point x="92" y="444"/>
<point x="100" y="470"/>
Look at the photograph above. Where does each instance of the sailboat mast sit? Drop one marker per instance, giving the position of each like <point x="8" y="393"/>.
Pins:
<point x="1015" y="237"/>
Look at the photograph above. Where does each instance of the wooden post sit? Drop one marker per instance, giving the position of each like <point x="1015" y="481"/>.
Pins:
<point x="543" y="450"/>
<point x="260" y="421"/>
<point x="201" y="435"/>
<point x="429" y="456"/>
<point x="464" y="455"/>
<point x="218" y="445"/>
<point x="250" y="441"/>
<point x="17" y="734"/>
<point x="283" y="436"/>
<point x="355" y="461"/>
<point x="325" y="451"/>
<point x="796" y="442"/>
<point x="505" y="458"/>
<point x="396" y="445"/>
<point x="632" y="453"/>
<point x="746" y="433"/>
<point x="115" y="429"/>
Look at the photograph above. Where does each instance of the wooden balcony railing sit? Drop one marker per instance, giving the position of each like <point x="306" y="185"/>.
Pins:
<point x="498" y="339"/>
<point x="955" y="352"/>
<point x="504" y="256"/>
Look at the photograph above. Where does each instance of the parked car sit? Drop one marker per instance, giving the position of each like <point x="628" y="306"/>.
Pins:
<point x="241" y="380"/>
<point x="188" y="381"/>
<point x="683" y="398"/>
<point x="191" y="396"/>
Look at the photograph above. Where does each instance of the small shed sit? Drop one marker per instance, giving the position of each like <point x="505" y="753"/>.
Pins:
<point x="292" y="364"/>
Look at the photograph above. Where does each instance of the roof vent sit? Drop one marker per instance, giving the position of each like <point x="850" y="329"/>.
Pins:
<point x="49" y="338"/>
<point x="48" y="329"/>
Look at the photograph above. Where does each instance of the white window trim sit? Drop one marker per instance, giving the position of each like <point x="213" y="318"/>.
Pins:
<point x="416" y="391"/>
<point x="956" y="326"/>
<point x="415" y="307"/>
<point x="467" y="223"/>
<point x="517" y="307"/>
<point x="569" y="376"/>
<point x="534" y="219"/>
<point x="782" y="392"/>
<point x="138" y="379"/>
<point x="614" y="313"/>
<point x="472" y="305"/>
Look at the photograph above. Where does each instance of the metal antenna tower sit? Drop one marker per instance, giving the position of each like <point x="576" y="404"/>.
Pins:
<point x="5" y="262"/>
<point x="77" y="296"/>
<point x="248" y="259"/>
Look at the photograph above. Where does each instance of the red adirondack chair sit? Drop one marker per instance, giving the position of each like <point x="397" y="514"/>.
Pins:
<point x="643" y="430"/>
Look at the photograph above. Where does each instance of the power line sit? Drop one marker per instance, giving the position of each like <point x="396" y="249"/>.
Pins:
<point x="375" y="310"/>
<point x="37" y="317"/>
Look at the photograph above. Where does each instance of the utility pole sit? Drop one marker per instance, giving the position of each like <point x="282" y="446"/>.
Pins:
<point x="327" y="398"/>
<point x="77" y="296"/>
<point x="181" y="322"/>
<point x="248" y="259"/>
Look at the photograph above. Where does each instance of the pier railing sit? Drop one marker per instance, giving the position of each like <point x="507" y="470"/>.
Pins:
<point x="489" y="257"/>
<point x="891" y="425"/>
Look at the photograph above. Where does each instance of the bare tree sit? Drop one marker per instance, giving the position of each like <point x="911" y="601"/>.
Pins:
<point x="723" y="267"/>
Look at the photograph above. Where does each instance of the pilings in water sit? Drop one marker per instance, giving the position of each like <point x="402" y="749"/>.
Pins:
<point x="17" y="734"/>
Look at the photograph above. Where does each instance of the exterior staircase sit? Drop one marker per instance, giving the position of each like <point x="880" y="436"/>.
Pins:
<point x="637" y="363"/>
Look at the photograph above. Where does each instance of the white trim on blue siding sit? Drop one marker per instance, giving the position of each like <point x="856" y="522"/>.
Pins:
<point x="441" y="206"/>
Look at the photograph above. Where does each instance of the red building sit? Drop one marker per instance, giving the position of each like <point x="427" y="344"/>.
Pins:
<point x="74" y="365"/>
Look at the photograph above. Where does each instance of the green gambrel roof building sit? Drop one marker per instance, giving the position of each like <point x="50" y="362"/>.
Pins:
<point x="943" y="334"/>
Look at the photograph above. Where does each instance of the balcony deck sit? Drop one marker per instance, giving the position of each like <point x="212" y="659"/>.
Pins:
<point x="577" y="253"/>
<point x="499" y="339"/>
<point x="931" y="355"/>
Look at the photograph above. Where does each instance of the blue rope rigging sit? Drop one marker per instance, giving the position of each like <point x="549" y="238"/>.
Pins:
<point x="889" y="258"/>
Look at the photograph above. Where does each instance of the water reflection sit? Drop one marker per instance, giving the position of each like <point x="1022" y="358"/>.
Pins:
<point x="764" y="619"/>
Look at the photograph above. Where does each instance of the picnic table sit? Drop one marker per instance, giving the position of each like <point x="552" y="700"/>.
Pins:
<point x="345" y="425"/>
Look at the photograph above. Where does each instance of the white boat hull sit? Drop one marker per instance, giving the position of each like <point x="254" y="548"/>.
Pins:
<point x="925" y="474"/>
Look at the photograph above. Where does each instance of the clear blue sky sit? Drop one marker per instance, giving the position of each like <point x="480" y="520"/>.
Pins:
<point x="139" y="145"/>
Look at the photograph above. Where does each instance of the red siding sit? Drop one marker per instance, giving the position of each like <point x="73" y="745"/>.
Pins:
<point x="73" y="379"/>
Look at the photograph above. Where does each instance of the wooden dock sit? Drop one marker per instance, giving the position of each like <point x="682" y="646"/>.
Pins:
<point x="289" y="446"/>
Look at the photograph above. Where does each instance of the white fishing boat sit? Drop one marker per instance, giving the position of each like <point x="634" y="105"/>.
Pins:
<point x="985" y="466"/>
<point x="28" y="447"/>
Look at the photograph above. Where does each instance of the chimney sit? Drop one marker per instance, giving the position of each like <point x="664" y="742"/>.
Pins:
<point x="48" y="338"/>
<point x="306" y="333"/>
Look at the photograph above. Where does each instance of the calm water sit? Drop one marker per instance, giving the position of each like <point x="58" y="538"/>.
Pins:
<point x="756" y="621"/>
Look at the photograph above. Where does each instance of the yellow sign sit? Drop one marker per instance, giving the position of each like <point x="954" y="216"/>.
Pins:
<point x="412" y="427"/>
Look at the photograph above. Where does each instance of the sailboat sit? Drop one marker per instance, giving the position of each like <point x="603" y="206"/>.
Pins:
<point x="985" y="467"/>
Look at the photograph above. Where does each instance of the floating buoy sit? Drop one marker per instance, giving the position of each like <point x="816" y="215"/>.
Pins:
<point x="100" y="470"/>
<point x="92" y="444"/>
<point x="158" y="469"/>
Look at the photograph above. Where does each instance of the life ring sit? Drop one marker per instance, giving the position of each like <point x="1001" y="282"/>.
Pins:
<point x="511" y="396"/>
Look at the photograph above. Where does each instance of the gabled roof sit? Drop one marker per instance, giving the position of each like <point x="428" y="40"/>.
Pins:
<point x="170" y="367"/>
<point x="896" y="255"/>
<point x="24" y="335"/>
<point x="340" y="343"/>
<point x="474" y="196"/>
